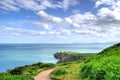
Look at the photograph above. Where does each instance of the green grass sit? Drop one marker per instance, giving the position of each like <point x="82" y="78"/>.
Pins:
<point x="16" y="77"/>
<point x="69" y="68"/>
<point x="67" y="71"/>
<point x="104" y="66"/>
<point x="25" y="72"/>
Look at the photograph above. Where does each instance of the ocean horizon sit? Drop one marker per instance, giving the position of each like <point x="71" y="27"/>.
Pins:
<point x="13" y="55"/>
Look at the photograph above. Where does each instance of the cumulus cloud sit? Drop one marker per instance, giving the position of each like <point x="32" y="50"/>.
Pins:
<point x="111" y="11"/>
<point x="104" y="2"/>
<point x="108" y="18"/>
<point x="87" y="24"/>
<point x="76" y="20"/>
<point x="80" y="20"/>
<point x="48" y="17"/>
<point x="104" y="24"/>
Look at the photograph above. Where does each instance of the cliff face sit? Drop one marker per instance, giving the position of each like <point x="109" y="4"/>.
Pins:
<point x="69" y="56"/>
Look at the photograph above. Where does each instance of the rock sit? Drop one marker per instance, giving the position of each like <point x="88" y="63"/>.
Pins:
<point x="68" y="56"/>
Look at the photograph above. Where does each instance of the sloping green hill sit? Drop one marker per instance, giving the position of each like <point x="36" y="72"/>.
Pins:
<point x="104" y="66"/>
<point x="68" y="67"/>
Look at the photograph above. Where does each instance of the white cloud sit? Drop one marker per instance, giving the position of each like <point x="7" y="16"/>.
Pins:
<point x="35" y="5"/>
<point x="67" y="3"/>
<point x="49" y="4"/>
<point x="30" y="5"/>
<point x="9" y="5"/>
<point x="103" y="26"/>
<point x="48" y="17"/>
<point x="109" y="14"/>
<point x="24" y="32"/>
<point x="108" y="18"/>
<point x="80" y="20"/>
<point x="105" y="13"/>
<point x="111" y="11"/>
<point x="43" y="25"/>
<point x="86" y="24"/>
<point x="18" y="23"/>
<point x="20" y="31"/>
<point x="104" y="2"/>
<point x="76" y="20"/>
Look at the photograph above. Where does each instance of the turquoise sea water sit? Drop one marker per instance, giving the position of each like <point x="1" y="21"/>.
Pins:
<point x="13" y="55"/>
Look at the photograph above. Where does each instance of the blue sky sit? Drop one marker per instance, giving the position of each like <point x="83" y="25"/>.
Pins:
<point x="59" y="21"/>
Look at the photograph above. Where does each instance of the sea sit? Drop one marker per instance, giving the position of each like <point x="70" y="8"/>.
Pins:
<point x="13" y="55"/>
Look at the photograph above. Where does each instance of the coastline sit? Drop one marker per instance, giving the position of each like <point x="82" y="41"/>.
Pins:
<point x="20" y="55"/>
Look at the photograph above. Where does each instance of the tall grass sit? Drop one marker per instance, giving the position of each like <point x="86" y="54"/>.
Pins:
<point x="104" y="66"/>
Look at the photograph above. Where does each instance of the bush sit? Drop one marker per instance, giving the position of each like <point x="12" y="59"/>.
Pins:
<point x="16" y="71"/>
<point x="50" y="65"/>
<point x="106" y="69"/>
<point x="59" y="73"/>
<point x="25" y="72"/>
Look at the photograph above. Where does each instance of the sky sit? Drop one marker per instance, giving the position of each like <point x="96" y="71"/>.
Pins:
<point x="59" y="21"/>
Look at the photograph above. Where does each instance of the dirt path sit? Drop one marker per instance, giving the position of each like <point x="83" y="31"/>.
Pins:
<point x="45" y="75"/>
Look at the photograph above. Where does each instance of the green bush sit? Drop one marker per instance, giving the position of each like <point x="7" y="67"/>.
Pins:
<point x="59" y="73"/>
<point x="16" y="71"/>
<point x="50" y="65"/>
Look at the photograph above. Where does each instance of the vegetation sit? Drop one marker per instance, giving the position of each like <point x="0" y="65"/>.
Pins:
<point x="25" y="72"/>
<point x="6" y="76"/>
<point x="71" y="56"/>
<point x="104" y="66"/>
<point x="74" y="66"/>
<point x="69" y="69"/>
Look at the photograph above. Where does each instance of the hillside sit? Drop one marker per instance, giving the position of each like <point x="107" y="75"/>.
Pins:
<point x="103" y="66"/>
<point x="26" y="72"/>
<point x="68" y="67"/>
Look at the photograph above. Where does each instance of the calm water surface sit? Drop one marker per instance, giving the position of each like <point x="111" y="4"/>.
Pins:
<point x="13" y="55"/>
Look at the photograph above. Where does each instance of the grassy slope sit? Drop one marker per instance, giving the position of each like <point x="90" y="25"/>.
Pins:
<point x="69" y="70"/>
<point x="104" y="66"/>
<point x="25" y="72"/>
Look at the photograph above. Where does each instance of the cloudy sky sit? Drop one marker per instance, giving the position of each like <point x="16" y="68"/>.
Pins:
<point x="59" y="21"/>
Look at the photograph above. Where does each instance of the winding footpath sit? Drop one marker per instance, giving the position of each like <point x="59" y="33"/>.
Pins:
<point x="45" y="75"/>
